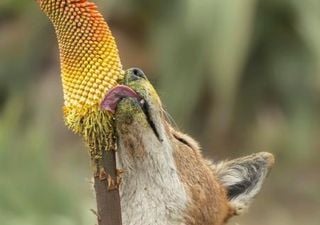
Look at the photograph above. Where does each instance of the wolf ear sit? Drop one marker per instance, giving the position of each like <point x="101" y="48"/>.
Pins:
<point x="243" y="178"/>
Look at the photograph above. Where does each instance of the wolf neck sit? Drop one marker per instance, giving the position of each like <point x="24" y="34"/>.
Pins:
<point x="151" y="190"/>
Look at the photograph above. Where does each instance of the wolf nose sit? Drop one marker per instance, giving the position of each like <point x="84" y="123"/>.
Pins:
<point x="135" y="74"/>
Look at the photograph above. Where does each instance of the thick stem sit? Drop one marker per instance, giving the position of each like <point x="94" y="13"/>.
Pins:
<point x="108" y="200"/>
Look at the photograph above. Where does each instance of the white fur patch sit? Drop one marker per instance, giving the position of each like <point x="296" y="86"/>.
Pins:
<point x="151" y="191"/>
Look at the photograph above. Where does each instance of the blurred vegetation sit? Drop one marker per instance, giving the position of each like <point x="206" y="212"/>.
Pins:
<point x="240" y="76"/>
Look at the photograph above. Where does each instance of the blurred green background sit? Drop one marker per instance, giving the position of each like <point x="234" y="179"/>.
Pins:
<point x="239" y="76"/>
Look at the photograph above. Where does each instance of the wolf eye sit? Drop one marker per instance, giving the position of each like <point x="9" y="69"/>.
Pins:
<point x="138" y="72"/>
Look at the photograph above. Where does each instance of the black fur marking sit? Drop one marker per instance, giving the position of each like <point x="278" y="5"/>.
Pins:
<point x="252" y="173"/>
<point x="183" y="141"/>
<point x="146" y="111"/>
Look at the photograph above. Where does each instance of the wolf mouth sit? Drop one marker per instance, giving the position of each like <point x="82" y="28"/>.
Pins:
<point x="120" y="92"/>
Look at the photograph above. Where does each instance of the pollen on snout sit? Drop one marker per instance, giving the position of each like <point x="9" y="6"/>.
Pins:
<point x="129" y="112"/>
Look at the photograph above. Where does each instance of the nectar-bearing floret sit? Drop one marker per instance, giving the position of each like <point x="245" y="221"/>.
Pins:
<point x="90" y="66"/>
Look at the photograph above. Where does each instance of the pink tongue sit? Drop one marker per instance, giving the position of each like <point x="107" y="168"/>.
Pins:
<point x="115" y="95"/>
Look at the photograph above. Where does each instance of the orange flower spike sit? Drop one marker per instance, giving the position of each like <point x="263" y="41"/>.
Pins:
<point x="90" y="66"/>
<point x="90" y="62"/>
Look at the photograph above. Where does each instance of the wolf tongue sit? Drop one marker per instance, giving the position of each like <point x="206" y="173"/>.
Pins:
<point x="115" y="95"/>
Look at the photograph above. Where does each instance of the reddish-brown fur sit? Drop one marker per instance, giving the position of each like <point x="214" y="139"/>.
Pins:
<point x="209" y="204"/>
